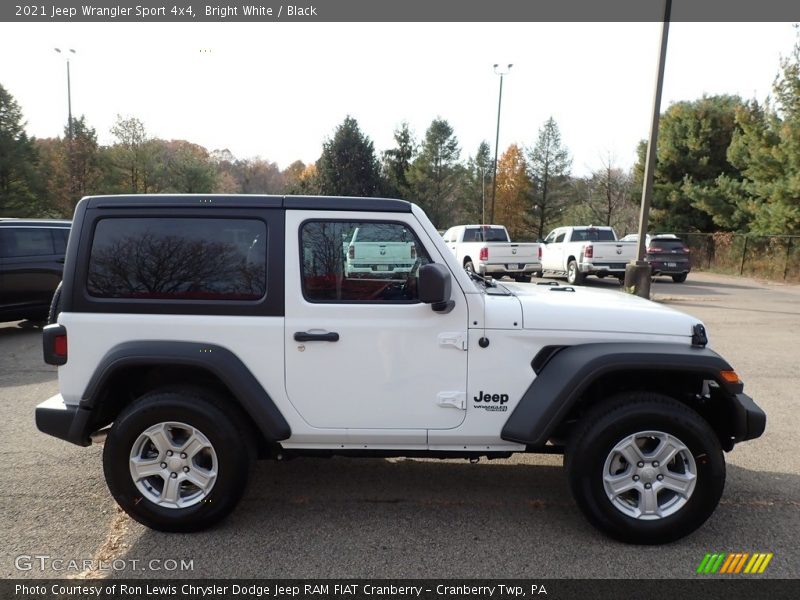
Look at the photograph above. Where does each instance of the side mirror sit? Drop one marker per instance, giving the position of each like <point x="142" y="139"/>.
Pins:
<point x="434" y="287"/>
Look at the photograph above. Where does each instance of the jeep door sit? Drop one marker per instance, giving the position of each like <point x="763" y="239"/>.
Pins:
<point x="362" y="352"/>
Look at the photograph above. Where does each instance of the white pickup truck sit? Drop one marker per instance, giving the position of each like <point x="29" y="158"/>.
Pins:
<point x="586" y="250"/>
<point x="378" y="250"/>
<point x="488" y="250"/>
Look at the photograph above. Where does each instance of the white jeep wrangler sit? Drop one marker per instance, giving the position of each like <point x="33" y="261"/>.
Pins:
<point x="201" y="332"/>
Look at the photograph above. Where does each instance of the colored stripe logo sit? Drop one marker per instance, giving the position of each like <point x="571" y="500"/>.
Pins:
<point x="734" y="563"/>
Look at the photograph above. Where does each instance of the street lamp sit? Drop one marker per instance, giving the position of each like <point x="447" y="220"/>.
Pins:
<point x="501" y="72"/>
<point x="69" y="91"/>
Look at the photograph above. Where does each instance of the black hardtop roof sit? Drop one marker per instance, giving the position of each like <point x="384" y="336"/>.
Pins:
<point x="248" y="201"/>
<point x="14" y="222"/>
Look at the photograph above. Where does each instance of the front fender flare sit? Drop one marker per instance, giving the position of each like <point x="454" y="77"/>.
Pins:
<point x="569" y="372"/>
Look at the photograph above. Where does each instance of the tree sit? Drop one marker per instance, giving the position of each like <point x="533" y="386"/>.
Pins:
<point x="54" y="176"/>
<point x="608" y="197"/>
<point x="513" y="192"/>
<point x="397" y="162"/>
<point x="693" y="142"/>
<point x="766" y="149"/>
<point x="134" y="154"/>
<point x="258" y="176"/>
<point x="435" y="172"/>
<point x="18" y="159"/>
<point x="348" y="166"/>
<point x="477" y="187"/>
<point x="186" y="168"/>
<point x="84" y="164"/>
<point x="300" y="178"/>
<point x="549" y="166"/>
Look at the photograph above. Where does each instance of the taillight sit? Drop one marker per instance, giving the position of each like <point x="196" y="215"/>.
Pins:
<point x="654" y="250"/>
<point x="413" y="251"/>
<point x="588" y="251"/>
<point x="60" y="346"/>
<point x="54" y="344"/>
<point x="351" y="252"/>
<point x="484" y="255"/>
<point x="540" y="253"/>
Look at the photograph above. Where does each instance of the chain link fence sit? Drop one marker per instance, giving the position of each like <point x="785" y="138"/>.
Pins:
<point x="775" y="257"/>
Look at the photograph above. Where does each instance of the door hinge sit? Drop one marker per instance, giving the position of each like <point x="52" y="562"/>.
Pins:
<point x="452" y="399"/>
<point x="456" y="339"/>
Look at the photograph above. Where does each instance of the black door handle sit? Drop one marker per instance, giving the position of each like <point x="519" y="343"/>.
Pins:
<point x="304" y="336"/>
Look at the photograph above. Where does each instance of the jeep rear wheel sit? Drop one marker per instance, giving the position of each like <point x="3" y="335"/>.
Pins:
<point x="645" y="468"/>
<point x="178" y="460"/>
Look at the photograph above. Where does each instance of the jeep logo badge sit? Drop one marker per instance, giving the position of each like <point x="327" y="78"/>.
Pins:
<point x="491" y="402"/>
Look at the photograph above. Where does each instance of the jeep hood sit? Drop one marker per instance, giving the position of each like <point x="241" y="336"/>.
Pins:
<point x="586" y="309"/>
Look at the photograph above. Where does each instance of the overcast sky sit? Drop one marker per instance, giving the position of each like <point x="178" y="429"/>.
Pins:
<point x="277" y="90"/>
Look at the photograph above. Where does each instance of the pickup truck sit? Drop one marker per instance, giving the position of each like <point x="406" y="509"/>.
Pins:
<point x="375" y="250"/>
<point x="586" y="250"/>
<point x="488" y="250"/>
<point x="197" y="333"/>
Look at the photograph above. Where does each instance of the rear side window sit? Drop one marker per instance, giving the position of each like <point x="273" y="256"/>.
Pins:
<point x="18" y="242"/>
<point x="178" y="259"/>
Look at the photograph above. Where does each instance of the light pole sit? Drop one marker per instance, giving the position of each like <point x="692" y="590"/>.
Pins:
<point x="637" y="273"/>
<point x="69" y="92"/>
<point x="502" y="73"/>
<point x="483" y="193"/>
<point x="70" y="143"/>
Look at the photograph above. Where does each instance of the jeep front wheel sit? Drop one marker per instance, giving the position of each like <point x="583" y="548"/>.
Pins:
<point x="177" y="460"/>
<point x="645" y="468"/>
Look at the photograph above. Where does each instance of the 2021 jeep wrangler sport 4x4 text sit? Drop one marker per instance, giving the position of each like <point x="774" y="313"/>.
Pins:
<point x="202" y="332"/>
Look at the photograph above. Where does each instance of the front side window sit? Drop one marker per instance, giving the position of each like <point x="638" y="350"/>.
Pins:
<point x="178" y="259"/>
<point x="348" y="261"/>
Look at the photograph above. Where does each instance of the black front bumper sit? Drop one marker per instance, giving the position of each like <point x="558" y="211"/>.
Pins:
<point x="65" y="421"/>
<point x="749" y="420"/>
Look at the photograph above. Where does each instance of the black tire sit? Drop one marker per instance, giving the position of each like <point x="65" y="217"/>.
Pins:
<point x="602" y="429"/>
<point x="574" y="275"/>
<point x="522" y="278"/>
<point x="538" y="274"/>
<point x="222" y="425"/>
<point x="601" y="275"/>
<point x="679" y="278"/>
<point x="55" y="305"/>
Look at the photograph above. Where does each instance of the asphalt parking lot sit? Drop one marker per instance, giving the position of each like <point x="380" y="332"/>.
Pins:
<point x="398" y="518"/>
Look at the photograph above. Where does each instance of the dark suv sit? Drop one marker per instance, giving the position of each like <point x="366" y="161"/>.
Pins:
<point x="668" y="255"/>
<point x="31" y="262"/>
